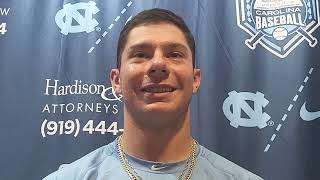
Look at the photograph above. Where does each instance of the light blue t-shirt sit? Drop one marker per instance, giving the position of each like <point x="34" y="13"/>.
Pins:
<point x="104" y="164"/>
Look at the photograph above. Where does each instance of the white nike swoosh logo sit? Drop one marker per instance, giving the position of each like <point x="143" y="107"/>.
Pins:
<point x="157" y="167"/>
<point x="308" y="116"/>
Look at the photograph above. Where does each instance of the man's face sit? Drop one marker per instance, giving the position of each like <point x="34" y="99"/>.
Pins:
<point x="156" y="77"/>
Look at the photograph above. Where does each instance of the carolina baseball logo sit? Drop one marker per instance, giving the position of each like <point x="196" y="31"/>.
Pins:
<point x="278" y="25"/>
<point x="70" y="12"/>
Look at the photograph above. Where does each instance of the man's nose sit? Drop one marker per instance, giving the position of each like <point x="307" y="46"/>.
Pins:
<point x="158" y="67"/>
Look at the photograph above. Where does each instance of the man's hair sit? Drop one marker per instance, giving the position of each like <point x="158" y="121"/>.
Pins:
<point x="150" y="17"/>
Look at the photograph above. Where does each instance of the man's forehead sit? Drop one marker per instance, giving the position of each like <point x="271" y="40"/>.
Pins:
<point x="151" y="44"/>
<point x="163" y="34"/>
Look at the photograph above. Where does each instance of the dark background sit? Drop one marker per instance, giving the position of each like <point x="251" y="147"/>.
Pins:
<point x="33" y="49"/>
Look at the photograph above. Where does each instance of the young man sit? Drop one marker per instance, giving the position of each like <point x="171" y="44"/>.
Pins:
<point x="156" y="76"/>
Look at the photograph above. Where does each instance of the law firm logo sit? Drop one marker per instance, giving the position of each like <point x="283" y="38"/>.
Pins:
<point x="278" y="25"/>
<point x="71" y="13"/>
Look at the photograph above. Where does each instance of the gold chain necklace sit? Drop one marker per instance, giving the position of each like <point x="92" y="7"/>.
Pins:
<point x="191" y="162"/>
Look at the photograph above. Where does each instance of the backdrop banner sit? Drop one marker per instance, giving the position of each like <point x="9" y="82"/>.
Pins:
<point x="258" y="104"/>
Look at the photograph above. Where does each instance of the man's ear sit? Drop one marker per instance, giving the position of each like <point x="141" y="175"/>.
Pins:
<point x="115" y="80"/>
<point x="196" y="80"/>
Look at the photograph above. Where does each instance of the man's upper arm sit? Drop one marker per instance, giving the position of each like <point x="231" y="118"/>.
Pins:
<point x="52" y="176"/>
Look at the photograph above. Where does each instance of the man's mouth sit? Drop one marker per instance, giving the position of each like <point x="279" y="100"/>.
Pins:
<point x="158" y="89"/>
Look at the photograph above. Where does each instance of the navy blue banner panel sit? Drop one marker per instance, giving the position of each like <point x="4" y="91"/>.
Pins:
<point x="258" y="104"/>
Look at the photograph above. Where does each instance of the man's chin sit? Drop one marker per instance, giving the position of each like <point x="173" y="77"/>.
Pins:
<point x="158" y="107"/>
<point x="158" y="116"/>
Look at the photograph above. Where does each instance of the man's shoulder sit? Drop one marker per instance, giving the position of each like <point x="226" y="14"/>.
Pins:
<point x="225" y="166"/>
<point x="82" y="166"/>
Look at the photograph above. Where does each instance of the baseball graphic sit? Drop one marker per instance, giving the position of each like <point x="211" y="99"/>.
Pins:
<point x="276" y="4"/>
<point x="280" y="33"/>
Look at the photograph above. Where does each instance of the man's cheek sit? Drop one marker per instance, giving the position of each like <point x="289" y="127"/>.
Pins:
<point x="129" y="89"/>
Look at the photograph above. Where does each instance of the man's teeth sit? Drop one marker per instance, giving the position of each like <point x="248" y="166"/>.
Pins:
<point x="159" y="90"/>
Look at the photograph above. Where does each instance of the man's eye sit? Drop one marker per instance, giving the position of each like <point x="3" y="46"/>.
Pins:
<point x="175" y="55"/>
<point x="140" y="55"/>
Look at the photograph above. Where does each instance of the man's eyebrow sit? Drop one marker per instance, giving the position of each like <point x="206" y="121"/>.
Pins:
<point x="143" y="45"/>
<point x="171" y="45"/>
<point x="166" y="45"/>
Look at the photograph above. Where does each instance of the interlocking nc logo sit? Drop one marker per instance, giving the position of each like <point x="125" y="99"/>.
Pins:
<point x="238" y="102"/>
<point x="278" y="25"/>
<point x="70" y="12"/>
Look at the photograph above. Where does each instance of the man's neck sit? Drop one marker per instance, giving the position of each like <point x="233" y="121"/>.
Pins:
<point x="158" y="145"/>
